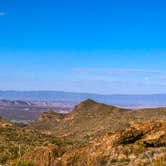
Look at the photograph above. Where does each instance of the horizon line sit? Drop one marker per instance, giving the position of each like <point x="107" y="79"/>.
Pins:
<point x="90" y="93"/>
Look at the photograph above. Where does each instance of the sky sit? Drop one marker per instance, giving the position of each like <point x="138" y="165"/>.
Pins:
<point x="107" y="47"/>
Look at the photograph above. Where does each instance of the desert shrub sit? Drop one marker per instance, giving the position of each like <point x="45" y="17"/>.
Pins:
<point x="161" y="161"/>
<point x="3" y="158"/>
<point x="22" y="163"/>
<point x="138" y="149"/>
<point x="103" y="160"/>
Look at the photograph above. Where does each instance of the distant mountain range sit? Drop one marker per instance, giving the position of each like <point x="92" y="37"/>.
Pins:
<point x="28" y="111"/>
<point x="127" y="101"/>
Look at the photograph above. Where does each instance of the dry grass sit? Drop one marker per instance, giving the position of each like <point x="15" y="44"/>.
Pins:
<point x="159" y="161"/>
<point x="93" y="134"/>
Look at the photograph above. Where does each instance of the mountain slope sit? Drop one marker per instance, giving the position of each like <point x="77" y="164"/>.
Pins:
<point x="92" y="134"/>
<point x="16" y="140"/>
<point x="139" y="144"/>
<point x="48" y="120"/>
<point x="90" y="118"/>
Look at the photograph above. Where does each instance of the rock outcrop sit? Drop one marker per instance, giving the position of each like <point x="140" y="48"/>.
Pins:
<point x="140" y="144"/>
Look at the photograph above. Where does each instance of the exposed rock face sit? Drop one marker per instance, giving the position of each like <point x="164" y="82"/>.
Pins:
<point x="140" y="144"/>
<point x="43" y="156"/>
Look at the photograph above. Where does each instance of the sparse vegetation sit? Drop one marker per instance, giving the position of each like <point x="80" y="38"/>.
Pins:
<point x="138" y="149"/>
<point x="22" y="163"/>
<point x="87" y="136"/>
<point x="160" y="161"/>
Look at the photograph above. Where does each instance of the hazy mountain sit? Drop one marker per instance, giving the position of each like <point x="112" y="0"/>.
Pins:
<point x="29" y="111"/>
<point x="128" y="101"/>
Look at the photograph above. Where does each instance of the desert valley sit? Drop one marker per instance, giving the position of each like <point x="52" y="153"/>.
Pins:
<point x="82" y="83"/>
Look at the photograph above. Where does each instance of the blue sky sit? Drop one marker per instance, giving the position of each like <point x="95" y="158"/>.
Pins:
<point x="108" y="46"/>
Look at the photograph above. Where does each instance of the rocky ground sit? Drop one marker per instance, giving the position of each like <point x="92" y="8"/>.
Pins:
<point x="93" y="134"/>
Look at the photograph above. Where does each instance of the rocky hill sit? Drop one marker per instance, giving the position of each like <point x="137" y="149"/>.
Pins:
<point x="16" y="140"/>
<point x="92" y="134"/>
<point x="90" y="119"/>
<point x="138" y="145"/>
<point x="48" y="120"/>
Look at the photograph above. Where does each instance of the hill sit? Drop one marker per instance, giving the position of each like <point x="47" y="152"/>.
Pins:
<point x="138" y="145"/>
<point x="92" y="134"/>
<point x="90" y="119"/>
<point x="16" y="141"/>
<point x="48" y="120"/>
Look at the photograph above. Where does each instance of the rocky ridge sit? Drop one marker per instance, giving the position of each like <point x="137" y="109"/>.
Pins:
<point x="92" y="134"/>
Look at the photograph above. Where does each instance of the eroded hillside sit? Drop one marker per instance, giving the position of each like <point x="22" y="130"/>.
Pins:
<point x="90" y="119"/>
<point x="92" y="134"/>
